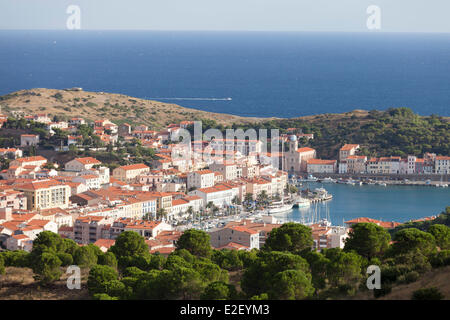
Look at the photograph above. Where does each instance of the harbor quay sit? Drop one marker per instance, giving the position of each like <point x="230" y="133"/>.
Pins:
<point x="398" y="179"/>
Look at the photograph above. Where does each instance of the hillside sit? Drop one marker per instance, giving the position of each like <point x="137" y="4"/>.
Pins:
<point x="19" y="284"/>
<point x="396" y="131"/>
<point x="115" y="107"/>
<point x="435" y="278"/>
<point x="121" y="108"/>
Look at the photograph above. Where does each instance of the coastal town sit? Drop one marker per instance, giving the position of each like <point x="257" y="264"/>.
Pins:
<point x="230" y="188"/>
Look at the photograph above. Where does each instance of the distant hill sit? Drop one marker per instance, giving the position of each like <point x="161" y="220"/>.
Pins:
<point x="396" y="131"/>
<point x="118" y="108"/>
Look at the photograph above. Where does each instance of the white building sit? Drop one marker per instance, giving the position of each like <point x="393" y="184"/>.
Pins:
<point x="219" y="195"/>
<point x="228" y="170"/>
<point x="91" y="181"/>
<point x="442" y="165"/>
<point x="200" y="179"/>
<point x="81" y="164"/>
<point x="321" y="166"/>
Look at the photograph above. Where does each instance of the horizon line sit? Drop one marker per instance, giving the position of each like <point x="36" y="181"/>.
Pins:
<point x="238" y="31"/>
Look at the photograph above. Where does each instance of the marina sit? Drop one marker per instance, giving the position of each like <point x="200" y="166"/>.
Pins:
<point x="386" y="202"/>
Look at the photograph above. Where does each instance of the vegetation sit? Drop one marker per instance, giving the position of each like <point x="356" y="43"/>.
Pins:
<point x="396" y="131"/>
<point x="285" y="268"/>
<point x="368" y="240"/>
<point x="292" y="237"/>
<point x="427" y="294"/>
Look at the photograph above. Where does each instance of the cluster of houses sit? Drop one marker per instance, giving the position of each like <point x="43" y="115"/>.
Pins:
<point x="300" y="160"/>
<point x="82" y="199"/>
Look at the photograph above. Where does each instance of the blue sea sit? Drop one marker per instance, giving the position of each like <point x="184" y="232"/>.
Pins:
<point x="264" y="73"/>
<point x="390" y="203"/>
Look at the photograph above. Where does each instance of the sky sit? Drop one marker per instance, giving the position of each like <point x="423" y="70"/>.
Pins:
<point x="229" y="15"/>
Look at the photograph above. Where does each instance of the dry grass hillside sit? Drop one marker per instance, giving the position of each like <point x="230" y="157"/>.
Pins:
<point x="19" y="284"/>
<point x="120" y="108"/>
<point x="115" y="107"/>
<point x="438" y="278"/>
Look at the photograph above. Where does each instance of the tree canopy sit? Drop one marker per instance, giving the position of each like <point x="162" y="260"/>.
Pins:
<point x="292" y="237"/>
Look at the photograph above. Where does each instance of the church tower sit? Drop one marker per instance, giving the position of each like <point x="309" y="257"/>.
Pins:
<point x="291" y="157"/>
<point x="293" y="143"/>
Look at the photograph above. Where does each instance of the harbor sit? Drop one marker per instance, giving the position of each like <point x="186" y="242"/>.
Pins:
<point x="388" y="202"/>
<point x="324" y="200"/>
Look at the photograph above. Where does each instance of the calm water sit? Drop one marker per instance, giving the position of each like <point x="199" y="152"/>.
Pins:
<point x="390" y="203"/>
<point x="265" y="74"/>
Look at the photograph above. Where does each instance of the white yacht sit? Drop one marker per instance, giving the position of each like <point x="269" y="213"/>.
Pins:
<point x="302" y="202"/>
<point x="310" y="178"/>
<point x="279" y="207"/>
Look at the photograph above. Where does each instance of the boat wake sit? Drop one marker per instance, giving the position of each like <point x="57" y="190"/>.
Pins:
<point x="193" y="99"/>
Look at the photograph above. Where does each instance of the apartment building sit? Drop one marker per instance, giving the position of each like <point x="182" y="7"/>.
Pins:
<point x="129" y="173"/>
<point x="256" y="186"/>
<point x="347" y="150"/>
<point x="326" y="236"/>
<point x="38" y="161"/>
<point x="442" y="165"/>
<point x="147" y="229"/>
<point x="45" y="194"/>
<point x="356" y="164"/>
<point x="88" y="229"/>
<point x="244" y="146"/>
<point x="81" y="164"/>
<point x="240" y="235"/>
<point x="220" y="195"/>
<point x="227" y="169"/>
<point x="13" y="199"/>
<point x="263" y="228"/>
<point x="321" y="166"/>
<point x="200" y="179"/>
<point x="91" y="181"/>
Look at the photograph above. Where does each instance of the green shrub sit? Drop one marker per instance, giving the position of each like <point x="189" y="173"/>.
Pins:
<point x="385" y="289"/>
<point x="219" y="291"/>
<point x="66" y="259"/>
<point x="85" y="257"/>
<point x="441" y="259"/>
<point x="2" y="265"/>
<point x="98" y="278"/>
<point x="103" y="296"/>
<point x="47" y="268"/>
<point x="432" y="293"/>
<point x="410" y="277"/>
<point x="107" y="259"/>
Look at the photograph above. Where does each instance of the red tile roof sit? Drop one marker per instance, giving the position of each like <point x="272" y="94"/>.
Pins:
<point x="304" y="149"/>
<point x="348" y="147"/>
<point x="135" y="166"/>
<point x="87" y="160"/>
